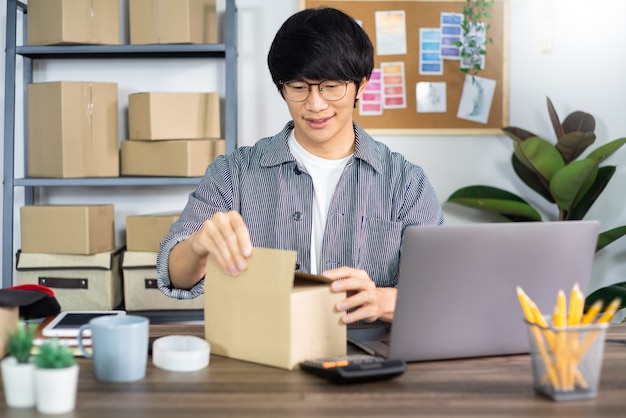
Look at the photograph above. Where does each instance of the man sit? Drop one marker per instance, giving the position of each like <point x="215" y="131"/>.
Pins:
<point x="322" y="186"/>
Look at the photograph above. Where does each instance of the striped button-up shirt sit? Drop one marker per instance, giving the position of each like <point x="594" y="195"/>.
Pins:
<point x="378" y="195"/>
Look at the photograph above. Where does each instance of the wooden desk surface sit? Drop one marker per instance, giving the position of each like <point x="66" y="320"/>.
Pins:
<point x="484" y="387"/>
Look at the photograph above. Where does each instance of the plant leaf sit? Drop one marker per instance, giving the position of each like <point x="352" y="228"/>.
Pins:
<point x="573" y="144"/>
<point x="517" y="134"/>
<point x="569" y="184"/>
<point x="607" y="294"/>
<point x="540" y="156"/>
<point x="531" y="179"/>
<point x="602" y="179"/>
<point x="603" y="152"/>
<point x="579" y="122"/>
<point x="554" y="118"/>
<point x="495" y="200"/>
<point x="607" y="237"/>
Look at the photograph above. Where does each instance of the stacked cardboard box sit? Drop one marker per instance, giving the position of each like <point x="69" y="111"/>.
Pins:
<point x="73" y="129"/>
<point x="172" y="21"/>
<point x="143" y="237"/>
<point x="172" y="134"/>
<point x="52" y="22"/>
<point x="71" y="249"/>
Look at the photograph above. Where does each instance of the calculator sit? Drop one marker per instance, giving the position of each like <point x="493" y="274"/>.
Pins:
<point x="354" y="368"/>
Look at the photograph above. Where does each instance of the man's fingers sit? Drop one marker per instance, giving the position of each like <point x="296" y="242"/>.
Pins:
<point x="229" y="241"/>
<point x="242" y="234"/>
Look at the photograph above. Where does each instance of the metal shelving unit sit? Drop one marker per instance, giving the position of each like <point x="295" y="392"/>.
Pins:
<point x="226" y="51"/>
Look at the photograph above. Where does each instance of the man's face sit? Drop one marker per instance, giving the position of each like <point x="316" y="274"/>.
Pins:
<point x="324" y="127"/>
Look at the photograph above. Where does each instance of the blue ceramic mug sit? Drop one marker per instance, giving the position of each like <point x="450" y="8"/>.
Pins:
<point x="119" y="347"/>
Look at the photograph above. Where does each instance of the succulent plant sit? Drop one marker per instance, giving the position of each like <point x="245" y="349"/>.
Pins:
<point x="20" y="342"/>
<point x="54" y="355"/>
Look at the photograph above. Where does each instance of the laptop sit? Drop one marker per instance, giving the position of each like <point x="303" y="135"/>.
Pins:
<point x="457" y="285"/>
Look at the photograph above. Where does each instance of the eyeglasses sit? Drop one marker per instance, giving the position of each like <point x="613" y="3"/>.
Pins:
<point x="298" y="91"/>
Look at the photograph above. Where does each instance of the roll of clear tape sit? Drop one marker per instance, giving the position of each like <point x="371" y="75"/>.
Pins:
<point x="180" y="353"/>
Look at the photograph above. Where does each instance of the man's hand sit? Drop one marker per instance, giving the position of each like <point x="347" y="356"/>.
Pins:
<point x="370" y="302"/>
<point x="227" y="238"/>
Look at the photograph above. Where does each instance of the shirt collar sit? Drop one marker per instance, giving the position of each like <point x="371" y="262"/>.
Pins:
<point x="365" y="148"/>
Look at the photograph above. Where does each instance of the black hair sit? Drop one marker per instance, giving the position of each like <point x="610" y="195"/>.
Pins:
<point x="320" y="44"/>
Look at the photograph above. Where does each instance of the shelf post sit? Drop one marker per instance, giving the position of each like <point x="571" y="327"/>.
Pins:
<point x="9" y="147"/>
<point x="230" y="41"/>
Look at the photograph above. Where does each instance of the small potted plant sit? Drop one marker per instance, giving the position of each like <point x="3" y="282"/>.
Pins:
<point x="56" y="378"/>
<point x="18" y="369"/>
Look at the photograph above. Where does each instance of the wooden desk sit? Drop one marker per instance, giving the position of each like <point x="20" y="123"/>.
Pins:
<point x="485" y="387"/>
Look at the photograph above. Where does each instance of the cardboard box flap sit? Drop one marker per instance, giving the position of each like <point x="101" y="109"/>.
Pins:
<point x="311" y="278"/>
<point x="269" y="272"/>
<point x="38" y="261"/>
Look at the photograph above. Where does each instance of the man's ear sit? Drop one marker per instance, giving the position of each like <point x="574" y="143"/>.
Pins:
<point x="361" y="88"/>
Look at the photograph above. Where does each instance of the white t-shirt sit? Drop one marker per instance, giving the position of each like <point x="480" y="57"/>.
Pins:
<point x="325" y="174"/>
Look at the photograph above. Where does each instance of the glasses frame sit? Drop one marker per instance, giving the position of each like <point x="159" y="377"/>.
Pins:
<point x="283" y="84"/>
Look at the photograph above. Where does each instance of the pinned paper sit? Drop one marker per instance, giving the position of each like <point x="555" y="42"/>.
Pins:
<point x="371" y="102"/>
<point x="476" y="99"/>
<point x="394" y="85"/>
<point x="390" y="32"/>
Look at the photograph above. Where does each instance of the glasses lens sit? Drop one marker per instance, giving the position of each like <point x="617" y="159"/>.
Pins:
<point x="298" y="91"/>
<point x="333" y="89"/>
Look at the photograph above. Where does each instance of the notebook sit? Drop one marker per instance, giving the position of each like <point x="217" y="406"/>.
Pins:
<point x="457" y="287"/>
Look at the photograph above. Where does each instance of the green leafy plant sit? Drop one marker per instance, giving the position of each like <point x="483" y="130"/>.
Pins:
<point x="475" y="30"/>
<point x="558" y="173"/>
<point x="20" y="342"/>
<point x="54" y="355"/>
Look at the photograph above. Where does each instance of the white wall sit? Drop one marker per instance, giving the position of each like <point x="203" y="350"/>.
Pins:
<point x="583" y="71"/>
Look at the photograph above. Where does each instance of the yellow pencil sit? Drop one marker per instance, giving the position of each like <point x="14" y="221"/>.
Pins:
<point x="534" y="316"/>
<point x="573" y="319"/>
<point x="558" y="318"/>
<point x="590" y="315"/>
<point x="524" y="302"/>
<point x="574" y="306"/>
<point x="537" y="315"/>
<point x="610" y="311"/>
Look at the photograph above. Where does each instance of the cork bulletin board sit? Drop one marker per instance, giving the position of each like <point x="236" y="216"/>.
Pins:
<point x="405" y="119"/>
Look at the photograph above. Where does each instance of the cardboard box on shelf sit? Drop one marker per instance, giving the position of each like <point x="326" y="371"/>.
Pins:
<point x="145" y="232"/>
<point x="67" y="229"/>
<point x="79" y="282"/>
<point x="140" y="285"/>
<point x="172" y="21"/>
<point x="271" y="315"/>
<point x="73" y="129"/>
<point x="172" y="115"/>
<point x="180" y="158"/>
<point x="53" y="22"/>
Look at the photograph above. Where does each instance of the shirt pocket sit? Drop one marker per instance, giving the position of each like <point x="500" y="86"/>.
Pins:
<point x="379" y="250"/>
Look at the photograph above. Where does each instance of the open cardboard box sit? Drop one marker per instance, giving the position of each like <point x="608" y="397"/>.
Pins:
<point x="271" y="315"/>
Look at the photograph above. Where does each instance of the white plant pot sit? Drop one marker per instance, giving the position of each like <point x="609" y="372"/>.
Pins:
<point x="55" y="389"/>
<point x="19" y="383"/>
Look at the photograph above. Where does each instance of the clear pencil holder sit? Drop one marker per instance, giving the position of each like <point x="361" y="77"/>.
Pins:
<point x="567" y="361"/>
